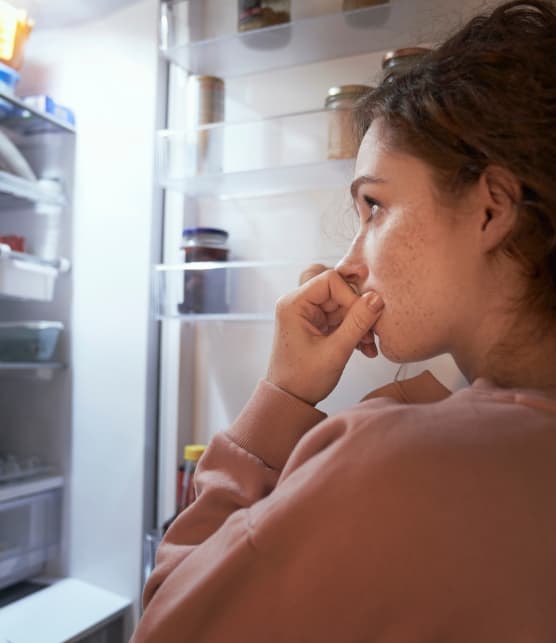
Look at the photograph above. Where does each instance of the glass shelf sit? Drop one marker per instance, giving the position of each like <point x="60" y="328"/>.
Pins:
<point x="31" y="366"/>
<point x="30" y="486"/>
<point x="253" y="157"/>
<point x="16" y="116"/>
<point x="307" y="40"/>
<point x="13" y="189"/>
<point x="235" y="291"/>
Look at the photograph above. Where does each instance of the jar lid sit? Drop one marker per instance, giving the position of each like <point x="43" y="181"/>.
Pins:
<point x="391" y="57"/>
<point x="193" y="232"/>
<point x="347" y="90"/>
<point x="207" y="79"/>
<point x="193" y="451"/>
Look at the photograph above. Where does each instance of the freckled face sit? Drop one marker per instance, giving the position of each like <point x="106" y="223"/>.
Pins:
<point x="412" y="250"/>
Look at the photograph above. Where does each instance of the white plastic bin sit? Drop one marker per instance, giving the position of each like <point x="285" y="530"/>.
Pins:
<point x="29" y="535"/>
<point x="27" y="280"/>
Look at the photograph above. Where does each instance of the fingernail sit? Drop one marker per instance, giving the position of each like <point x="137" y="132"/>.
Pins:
<point x="374" y="302"/>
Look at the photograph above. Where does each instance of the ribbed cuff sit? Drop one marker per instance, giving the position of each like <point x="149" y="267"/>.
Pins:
<point x="272" y="423"/>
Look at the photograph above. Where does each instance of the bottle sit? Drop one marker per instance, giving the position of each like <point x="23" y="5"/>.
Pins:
<point x="191" y="455"/>
<point x="185" y="495"/>
<point x="205" y="291"/>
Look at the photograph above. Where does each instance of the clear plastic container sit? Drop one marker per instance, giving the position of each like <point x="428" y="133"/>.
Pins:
<point x="29" y="341"/>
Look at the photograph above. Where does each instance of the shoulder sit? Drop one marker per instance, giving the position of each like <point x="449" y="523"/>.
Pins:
<point x="464" y="426"/>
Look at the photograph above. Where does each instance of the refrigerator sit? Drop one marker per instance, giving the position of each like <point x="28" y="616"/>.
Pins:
<point x="135" y="378"/>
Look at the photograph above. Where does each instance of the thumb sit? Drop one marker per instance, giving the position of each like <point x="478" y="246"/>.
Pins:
<point x="359" y="319"/>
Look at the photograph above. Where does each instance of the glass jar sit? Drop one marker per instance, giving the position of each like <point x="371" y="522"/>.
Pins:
<point x="257" y="14"/>
<point x="399" y="61"/>
<point x="205" y="291"/>
<point x="342" y="143"/>
<point x="205" y="105"/>
<point x="349" y="5"/>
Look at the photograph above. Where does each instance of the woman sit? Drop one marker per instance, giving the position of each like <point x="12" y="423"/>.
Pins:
<point x="430" y="517"/>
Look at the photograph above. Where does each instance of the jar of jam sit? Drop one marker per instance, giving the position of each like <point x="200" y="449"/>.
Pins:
<point x="399" y="61"/>
<point x="205" y="290"/>
<point x="341" y="100"/>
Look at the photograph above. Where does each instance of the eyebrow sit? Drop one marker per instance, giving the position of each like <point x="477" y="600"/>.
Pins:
<point x="362" y="180"/>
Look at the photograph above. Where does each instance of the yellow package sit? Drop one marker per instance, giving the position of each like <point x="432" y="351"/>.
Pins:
<point x="15" y="27"/>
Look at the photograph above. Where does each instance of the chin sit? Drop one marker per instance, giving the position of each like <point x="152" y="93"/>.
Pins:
<point x="401" y="353"/>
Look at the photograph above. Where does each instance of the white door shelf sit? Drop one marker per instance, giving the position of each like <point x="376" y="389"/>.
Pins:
<point x="13" y="189"/>
<point x="226" y="291"/>
<point x="65" y="611"/>
<point x="266" y="156"/>
<point x="307" y="40"/>
<point x="25" y="276"/>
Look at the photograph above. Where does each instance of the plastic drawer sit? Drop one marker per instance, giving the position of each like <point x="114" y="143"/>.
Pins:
<point x="29" y="535"/>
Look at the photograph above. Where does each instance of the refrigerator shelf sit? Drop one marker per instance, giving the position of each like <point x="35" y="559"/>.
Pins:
<point x="231" y="291"/>
<point x="302" y="41"/>
<point x="14" y="189"/>
<point x="25" y="276"/>
<point x="29" y="487"/>
<point x="18" y="117"/>
<point x="215" y="160"/>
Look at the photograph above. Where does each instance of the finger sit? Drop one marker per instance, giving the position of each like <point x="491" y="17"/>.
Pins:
<point x="312" y="271"/>
<point x="359" y="320"/>
<point x="369" y="350"/>
<point x="327" y="286"/>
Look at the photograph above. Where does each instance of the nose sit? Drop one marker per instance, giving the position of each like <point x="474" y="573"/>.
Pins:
<point x="352" y="267"/>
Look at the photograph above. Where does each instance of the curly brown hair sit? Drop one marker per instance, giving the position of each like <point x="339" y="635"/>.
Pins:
<point x="487" y="96"/>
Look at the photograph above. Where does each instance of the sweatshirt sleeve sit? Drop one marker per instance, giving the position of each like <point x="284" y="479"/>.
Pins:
<point x="239" y="467"/>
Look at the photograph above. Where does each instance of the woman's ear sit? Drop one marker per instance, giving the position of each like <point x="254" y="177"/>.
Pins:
<point x="500" y="193"/>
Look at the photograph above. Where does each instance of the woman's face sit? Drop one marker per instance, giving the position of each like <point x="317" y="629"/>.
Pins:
<point x="417" y="252"/>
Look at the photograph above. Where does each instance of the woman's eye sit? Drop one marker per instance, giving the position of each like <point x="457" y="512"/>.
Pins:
<point x="373" y="205"/>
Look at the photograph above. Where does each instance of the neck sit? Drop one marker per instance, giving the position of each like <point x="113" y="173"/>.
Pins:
<point x="518" y="358"/>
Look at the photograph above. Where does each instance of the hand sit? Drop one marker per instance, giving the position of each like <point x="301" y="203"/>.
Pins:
<point x="318" y="326"/>
<point x="367" y="344"/>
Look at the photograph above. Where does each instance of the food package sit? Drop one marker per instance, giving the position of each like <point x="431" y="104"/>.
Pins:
<point x="15" y="28"/>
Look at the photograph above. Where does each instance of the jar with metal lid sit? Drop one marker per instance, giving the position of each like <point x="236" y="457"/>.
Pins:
<point x="205" y="291"/>
<point x="257" y="14"/>
<point x="399" y="61"/>
<point x="340" y="101"/>
<point x="205" y="105"/>
<point x="349" y="5"/>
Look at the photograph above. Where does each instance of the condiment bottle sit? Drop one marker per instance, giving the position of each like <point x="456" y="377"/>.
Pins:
<point x="399" y="61"/>
<point x="340" y="101"/>
<point x="191" y="454"/>
<point x="205" y="291"/>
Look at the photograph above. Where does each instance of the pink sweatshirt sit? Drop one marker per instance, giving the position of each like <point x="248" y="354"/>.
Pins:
<point x="421" y="517"/>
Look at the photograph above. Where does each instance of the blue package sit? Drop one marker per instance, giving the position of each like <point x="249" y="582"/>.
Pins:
<point x="46" y="104"/>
